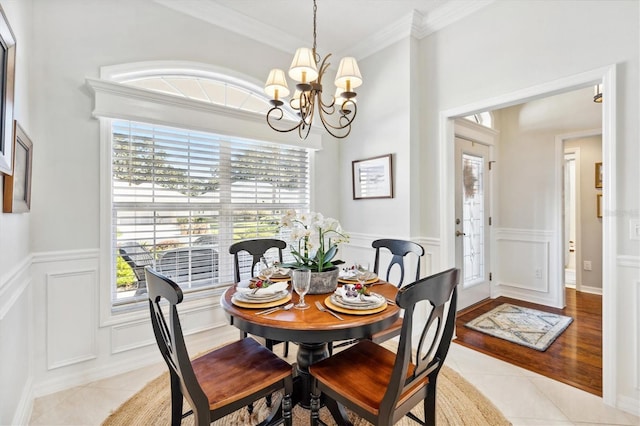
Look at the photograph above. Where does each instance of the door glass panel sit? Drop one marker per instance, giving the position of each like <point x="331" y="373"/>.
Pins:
<point x="473" y="212"/>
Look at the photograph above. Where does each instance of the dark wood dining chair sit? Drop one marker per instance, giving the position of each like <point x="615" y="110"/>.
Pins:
<point x="400" y="250"/>
<point x="390" y="385"/>
<point x="255" y="248"/>
<point x="221" y="381"/>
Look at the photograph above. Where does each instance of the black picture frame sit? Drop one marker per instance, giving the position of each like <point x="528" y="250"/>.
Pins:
<point x="372" y="177"/>
<point x="7" y="87"/>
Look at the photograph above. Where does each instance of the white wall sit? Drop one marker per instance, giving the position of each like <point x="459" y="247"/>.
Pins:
<point x="16" y="295"/>
<point x="508" y="47"/>
<point x="382" y="127"/>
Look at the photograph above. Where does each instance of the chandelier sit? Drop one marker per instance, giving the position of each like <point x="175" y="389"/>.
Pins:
<point x="336" y="114"/>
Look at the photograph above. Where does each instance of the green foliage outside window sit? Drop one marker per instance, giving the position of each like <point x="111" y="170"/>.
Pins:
<point x="124" y="274"/>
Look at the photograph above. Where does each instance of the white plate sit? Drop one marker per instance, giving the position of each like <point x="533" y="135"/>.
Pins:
<point x="248" y="298"/>
<point x="356" y="303"/>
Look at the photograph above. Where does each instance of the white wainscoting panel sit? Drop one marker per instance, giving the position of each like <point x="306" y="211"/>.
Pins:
<point x="431" y="260"/>
<point x="519" y="263"/>
<point x="131" y="335"/>
<point x="202" y="316"/>
<point x="523" y="264"/>
<point x="71" y="326"/>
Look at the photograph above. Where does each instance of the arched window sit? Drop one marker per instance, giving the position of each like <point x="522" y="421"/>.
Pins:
<point x="483" y="118"/>
<point x="192" y="167"/>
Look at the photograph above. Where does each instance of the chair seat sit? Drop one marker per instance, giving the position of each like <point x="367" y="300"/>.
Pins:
<point x="237" y="370"/>
<point x="362" y="374"/>
<point x="388" y="333"/>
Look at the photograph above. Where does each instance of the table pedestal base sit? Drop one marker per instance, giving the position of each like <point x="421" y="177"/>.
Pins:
<point x="308" y="353"/>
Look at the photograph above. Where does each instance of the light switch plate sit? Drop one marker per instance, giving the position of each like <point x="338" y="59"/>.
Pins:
<point x="634" y="229"/>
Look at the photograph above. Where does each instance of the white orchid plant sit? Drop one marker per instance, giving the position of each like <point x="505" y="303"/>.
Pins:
<point x="314" y="240"/>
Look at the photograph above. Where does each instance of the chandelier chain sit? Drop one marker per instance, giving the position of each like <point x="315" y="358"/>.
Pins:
<point x="315" y="11"/>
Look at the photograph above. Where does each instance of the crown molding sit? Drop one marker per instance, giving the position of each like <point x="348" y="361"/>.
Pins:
<point x="413" y="24"/>
<point x="449" y="13"/>
<point x="407" y="26"/>
<point x="231" y="20"/>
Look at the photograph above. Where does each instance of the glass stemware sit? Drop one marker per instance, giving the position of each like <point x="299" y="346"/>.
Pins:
<point x="267" y="270"/>
<point x="301" y="282"/>
<point x="362" y="272"/>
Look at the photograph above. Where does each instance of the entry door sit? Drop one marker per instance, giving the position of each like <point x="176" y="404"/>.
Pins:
<point x="472" y="221"/>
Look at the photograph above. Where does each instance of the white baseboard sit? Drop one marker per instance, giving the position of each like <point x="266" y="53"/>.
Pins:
<point x="591" y="290"/>
<point x="629" y="404"/>
<point x="22" y="415"/>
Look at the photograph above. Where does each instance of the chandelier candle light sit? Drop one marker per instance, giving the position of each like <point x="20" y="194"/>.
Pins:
<point x="337" y="114"/>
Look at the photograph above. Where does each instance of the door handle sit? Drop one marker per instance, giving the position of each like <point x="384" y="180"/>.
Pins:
<point x="458" y="233"/>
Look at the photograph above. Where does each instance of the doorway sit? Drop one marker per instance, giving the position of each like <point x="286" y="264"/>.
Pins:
<point x="571" y="215"/>
<point x="556" y="235"/>
<point x="582" y="192"/>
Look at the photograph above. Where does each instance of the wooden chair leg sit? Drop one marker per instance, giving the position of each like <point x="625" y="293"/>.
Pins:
<point x="286" y="410"/>
<point x="286" y="349"/>
<point x="176" y="401"/>
<point x="430" y="403"/>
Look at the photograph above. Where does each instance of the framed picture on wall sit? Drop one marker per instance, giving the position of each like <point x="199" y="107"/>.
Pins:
<point x="598" y="175"/>
<point x="372" y="177"/>
<point x="7" y="83"/>
<point x="17" y="187"/>
<point x="599" y="205"/>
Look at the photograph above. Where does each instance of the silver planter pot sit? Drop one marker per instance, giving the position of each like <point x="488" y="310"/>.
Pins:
<point x="324" y="282"/>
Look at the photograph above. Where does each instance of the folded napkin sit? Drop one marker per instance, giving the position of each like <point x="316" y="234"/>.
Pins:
<point x="274" y="288"/>
<point x="360" y="299"/>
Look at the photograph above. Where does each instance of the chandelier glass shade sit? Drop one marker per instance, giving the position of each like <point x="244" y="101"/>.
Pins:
<point x="336" y="112"/>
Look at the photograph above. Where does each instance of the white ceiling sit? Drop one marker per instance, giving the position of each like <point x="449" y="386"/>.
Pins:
<point x="345" y="27"/>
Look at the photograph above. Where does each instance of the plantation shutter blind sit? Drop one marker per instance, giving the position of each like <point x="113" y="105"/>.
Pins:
<point x="186" y="196"/>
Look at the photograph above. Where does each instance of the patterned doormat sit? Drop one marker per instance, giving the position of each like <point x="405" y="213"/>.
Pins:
<point x="524" y="326"/>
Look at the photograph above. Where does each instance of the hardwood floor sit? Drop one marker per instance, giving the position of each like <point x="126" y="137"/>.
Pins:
<point x="575" y="358"/>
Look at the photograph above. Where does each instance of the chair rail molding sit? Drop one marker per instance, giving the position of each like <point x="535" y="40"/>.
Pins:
<point x="13" y="284"/>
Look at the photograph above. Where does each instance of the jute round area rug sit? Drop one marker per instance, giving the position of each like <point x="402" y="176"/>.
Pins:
<point x="458" y="403"/>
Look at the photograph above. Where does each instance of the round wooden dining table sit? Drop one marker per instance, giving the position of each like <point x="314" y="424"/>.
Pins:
<point x="311" y="328"/>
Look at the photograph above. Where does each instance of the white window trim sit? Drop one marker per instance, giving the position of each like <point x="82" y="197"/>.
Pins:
<point x="113" y="100"/>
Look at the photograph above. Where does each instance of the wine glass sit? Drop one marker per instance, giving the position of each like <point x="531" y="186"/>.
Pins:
<point x="361" y="271"/>
<point x="301" y="282"/>
<point x="267" y="270"/>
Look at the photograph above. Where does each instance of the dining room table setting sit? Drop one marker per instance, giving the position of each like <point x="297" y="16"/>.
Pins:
<point x="359" y="306"/>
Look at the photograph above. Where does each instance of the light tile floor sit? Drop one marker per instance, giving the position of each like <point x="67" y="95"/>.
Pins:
<point x="524" y="397"/>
